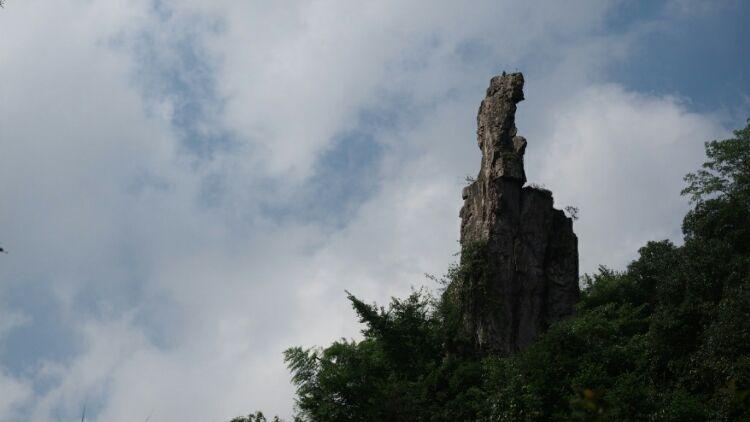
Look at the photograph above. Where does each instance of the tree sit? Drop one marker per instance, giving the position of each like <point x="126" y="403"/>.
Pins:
<point x="255" y="417"/>
<point x="666" y="339"/>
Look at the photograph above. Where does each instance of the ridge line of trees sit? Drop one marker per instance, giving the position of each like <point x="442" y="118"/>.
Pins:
<point x="666" y="339"/>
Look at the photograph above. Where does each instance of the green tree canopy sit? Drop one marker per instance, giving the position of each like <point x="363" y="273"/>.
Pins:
<point x="667" y="339"/>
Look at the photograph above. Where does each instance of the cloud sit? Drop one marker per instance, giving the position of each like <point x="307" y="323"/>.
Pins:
<point x="277" y="61"/>
<point x="12" y="392"/>
<point x="621" y="156"/>
<point x="167" y="168"/>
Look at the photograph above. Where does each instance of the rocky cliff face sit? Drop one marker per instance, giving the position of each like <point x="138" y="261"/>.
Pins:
<point x="530" y="274"/>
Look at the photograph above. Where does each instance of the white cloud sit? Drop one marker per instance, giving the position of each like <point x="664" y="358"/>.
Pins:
<point x="13" y="393"/>
<point x="620" y="157"/>
<point x="294" y="73"/>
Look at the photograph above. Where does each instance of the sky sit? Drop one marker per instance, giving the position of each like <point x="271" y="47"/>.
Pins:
<point x="188" y="187"/>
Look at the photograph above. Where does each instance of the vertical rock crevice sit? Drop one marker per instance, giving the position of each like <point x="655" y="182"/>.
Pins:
<point x="531" y="251"/>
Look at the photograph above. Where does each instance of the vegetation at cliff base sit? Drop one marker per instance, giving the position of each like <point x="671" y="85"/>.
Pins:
<point x="667" y="339"/>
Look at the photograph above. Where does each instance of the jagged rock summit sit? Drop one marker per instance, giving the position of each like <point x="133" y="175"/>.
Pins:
<point x="530" y="277"/>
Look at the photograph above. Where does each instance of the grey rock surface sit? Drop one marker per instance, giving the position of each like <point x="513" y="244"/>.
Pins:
<point x="532" y="253"/>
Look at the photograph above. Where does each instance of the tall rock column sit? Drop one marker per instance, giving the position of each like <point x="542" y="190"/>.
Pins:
<point x="530" y="278"/>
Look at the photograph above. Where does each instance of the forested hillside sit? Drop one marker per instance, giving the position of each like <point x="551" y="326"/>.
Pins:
<point x="666" y="339"/>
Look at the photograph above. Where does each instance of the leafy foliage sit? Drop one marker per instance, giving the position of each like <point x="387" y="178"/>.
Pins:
<point x="667" y="339"/>
<point x="572" y="212"/>
<point x="255" y="417"/>
<point x="397" y="372"/>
